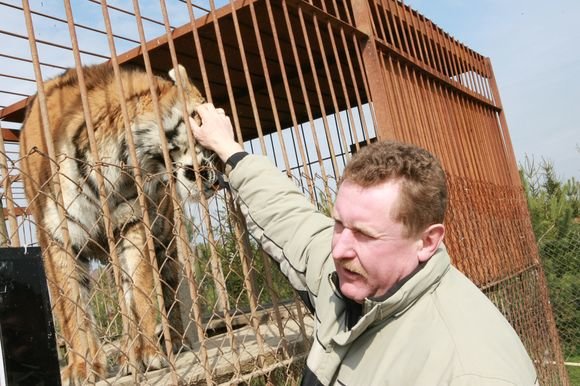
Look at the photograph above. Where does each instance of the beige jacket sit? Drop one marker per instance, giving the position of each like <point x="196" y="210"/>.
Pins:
<point x="436" y="328"/>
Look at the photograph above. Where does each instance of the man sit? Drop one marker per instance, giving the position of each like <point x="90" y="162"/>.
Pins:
<point x="389" y="307"/>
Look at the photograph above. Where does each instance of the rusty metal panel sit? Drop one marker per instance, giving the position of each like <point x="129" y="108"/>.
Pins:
<point x="443" y="97"/>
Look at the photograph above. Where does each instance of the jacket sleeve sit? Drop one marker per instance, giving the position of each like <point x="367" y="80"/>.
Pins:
<point x="285" y="223"/>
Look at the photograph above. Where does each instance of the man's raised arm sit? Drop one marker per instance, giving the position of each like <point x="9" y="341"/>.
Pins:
<point x="285" y="223"/>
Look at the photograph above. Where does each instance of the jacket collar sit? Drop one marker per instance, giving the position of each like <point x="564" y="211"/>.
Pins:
<point x="424" y="279"/>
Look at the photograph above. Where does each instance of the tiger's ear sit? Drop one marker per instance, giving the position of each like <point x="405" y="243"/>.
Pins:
<point x="183" y="77"/>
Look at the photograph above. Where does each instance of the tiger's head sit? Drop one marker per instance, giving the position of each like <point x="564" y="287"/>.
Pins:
<point x="182" y="155"/>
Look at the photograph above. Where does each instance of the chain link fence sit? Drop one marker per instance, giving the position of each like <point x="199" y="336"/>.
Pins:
<point x="561" y="260"/>
<point x="554" y="207"/>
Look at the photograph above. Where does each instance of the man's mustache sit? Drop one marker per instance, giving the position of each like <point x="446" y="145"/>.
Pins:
<point x="353" y="266"/>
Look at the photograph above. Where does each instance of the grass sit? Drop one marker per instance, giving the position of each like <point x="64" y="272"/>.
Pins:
<point x="574" y="371"/>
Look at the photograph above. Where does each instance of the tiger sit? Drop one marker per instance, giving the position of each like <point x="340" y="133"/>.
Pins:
<point x="77" y="171"/>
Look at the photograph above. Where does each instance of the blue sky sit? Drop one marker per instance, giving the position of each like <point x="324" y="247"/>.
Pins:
<point x="534" y="49"/>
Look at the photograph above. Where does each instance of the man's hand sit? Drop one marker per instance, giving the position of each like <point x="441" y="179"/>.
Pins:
<point x="216" y="132"/>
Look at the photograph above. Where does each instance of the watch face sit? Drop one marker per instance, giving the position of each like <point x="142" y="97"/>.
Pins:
<point x="27" y="339"/>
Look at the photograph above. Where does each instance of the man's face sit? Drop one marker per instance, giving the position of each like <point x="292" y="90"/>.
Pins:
<point x="370" y="250"/>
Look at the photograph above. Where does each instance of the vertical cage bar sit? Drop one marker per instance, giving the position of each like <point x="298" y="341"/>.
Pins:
<point x="483" y="138"/>
<point x="405" y="26"/>
<point x="440" y="101"/>
<point x="243" y="250"/>
<point x="467" y="65"/>
<point x="437" y="62"/>
<point x="461" y="64"/>
<point x="75" y="295"/>
<point x="419" y="28"/>
<point x="306" y="169"/>
<point x="178" y="214"/>
<point x="13" y="235"/>
<point x="318" y="94"/>
<point x="365" y="82"/>
<point x="463" y="134"/>
<point x="354" y="81"/>
<point x="386" y="4"/>
<point x="395" y="112"/>
<point x="401" y="91"/>
<point x="338" y="120"/>
<point x="296" y="132"/>
<point x="239" y="226"/>
<point x="440" y="50"/>
<point x="242" y="242"/>
<point x="381" y="26"/>
<point x="199" y="52"/>
<point x="193" y="285"/>
<point x="472" y="63"/>
<point x="491" y="126"/>
<point x="99" y="175"/>
<point x="215" y="261"/>
<point x="508" y="147"/>
<point x="403" y="35"/>
<point x="248" y="79"/>
<point x="305" y="97"/>
<point x="279" y="133"/>
<point x="369" y="58"/>
<point x="478" y="74"/>
<point x="455" y="63"/>
<point x="449" y="122"/>
<point x="429" y="115"/>
<point x="256" y="27"/>
<point x="167" y="160"/>
<point x="227" y="78"/>
<point x="449" y="155"/>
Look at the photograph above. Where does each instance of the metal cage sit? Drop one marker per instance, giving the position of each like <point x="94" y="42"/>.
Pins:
<point x="306" y="83"/>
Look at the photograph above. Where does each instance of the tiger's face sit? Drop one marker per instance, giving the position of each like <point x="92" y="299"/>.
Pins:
<point x="182" y="154"/>
<point x="184" y="170"/>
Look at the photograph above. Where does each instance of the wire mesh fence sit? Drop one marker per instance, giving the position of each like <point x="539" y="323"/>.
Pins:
<point x="554" y="209"/>
<point x="154" y="278"/>
<point x="561" y="259"/>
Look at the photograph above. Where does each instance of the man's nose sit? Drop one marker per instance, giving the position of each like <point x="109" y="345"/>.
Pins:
<point x="343" y="244"/>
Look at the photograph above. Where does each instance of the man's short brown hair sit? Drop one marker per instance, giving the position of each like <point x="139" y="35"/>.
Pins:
<point x="423" y="196"/>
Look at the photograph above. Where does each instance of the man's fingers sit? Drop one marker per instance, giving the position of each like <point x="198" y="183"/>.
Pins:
<point x="193" y="123"/>
<point x="205" y="109"/>
<point x="215" y="131"/>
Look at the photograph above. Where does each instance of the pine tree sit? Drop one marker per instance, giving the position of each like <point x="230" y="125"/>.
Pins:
<point x="554" y="210"/>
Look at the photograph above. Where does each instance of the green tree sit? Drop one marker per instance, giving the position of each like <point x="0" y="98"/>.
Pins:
<point x="555" y="213"/>
<point x="228" y="251"/>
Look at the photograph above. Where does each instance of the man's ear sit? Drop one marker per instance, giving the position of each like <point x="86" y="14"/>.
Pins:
<point x="431" y="239"/>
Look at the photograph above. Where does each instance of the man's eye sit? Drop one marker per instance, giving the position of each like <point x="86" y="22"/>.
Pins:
<point x="358" y="232"/>
<point x="362" y="234"/>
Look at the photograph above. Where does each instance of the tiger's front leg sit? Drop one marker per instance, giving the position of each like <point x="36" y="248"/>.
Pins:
<point x="141" y="300"/>
<point x="171" y="268"/>
<point x="67" y="281"/>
